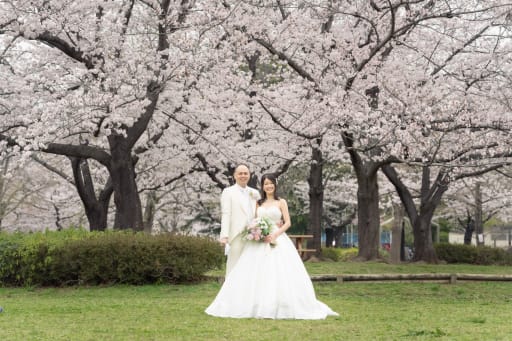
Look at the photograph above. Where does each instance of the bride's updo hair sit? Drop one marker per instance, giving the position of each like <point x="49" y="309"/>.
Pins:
<point x="272" y="178"/>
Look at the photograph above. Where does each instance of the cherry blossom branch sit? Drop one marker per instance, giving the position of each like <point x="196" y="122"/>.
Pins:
<point x="64" y="47"/>
<point x="504" y="174"/>
<point x="210" y="170"/>
<point x="274" y="119"/>
<point x="154" y="88"/>
<point x="480" y="172"/>
<point x="5" y="24"/>
<point x="471" y="157"/>
<point x="195" y="131"/>
<point x="402" y="191"/>
<point x="9" y="140"/>
<point x="169" y="181"/>
<point x="377" y="48"/>
<point x="52" y="169"/>
<point x="459" y="50"/>
<point x="473" y="127"/>
<point x="283" y="56"/>
<point x="126" y="15"/>
<point x="80" y="151"/>
<point x="284" y="15"/>
<point x="152" y="140"/>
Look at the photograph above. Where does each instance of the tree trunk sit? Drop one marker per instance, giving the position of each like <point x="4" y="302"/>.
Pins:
<point x="423" y="245"/>
<point x="316" y="200"/>
<point x="96" y="209"/>
<point x="469" y="228"/>
<point x="421" y="219"/>
<point x="58" y="221"/>
<point x="396" y="233"/>
<point x="479" y="225"/>
<point x="3" y="200"/>
<point x="149" y="211"/>
<point x="329" y="236"/>
<point x="368" y="217"/>
<point x="438" y="233"/>
<point x="126" y="196"/>
<point x="368" y="213"/>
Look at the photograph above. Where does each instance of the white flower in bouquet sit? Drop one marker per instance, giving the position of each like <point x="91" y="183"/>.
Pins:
<point x="258" y="229"/>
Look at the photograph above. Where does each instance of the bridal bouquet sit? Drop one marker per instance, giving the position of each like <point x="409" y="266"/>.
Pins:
<point x="258" y="229"/>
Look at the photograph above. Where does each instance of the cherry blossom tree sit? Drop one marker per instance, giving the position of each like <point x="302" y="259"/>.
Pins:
<point x="481" y="198"/>
<point x="465" y="132"/>
<point x="341" y="66"/>
<point x="142" y="95"/>
<point x="13" y="190"/>
<point x="87" y="79"/>
<point x="422" y="70"/>
<point x="34" y="199"/>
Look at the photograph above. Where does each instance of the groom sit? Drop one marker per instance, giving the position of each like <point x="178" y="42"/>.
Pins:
<point x="238" y="205"/>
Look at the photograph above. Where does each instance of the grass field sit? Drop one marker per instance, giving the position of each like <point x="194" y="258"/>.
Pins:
<point x="378" y="311"/>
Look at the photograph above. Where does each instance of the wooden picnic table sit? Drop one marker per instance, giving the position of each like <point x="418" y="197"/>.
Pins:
<point x="299" y="240"/>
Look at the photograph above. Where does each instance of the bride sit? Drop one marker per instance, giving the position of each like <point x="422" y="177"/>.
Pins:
<point x="269" y="280"/>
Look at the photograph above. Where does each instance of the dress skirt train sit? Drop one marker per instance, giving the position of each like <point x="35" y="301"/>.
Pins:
<point x="269" y="282"/>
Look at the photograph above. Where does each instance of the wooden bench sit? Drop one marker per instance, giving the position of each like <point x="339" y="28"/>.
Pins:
<point x="299" y="240"/>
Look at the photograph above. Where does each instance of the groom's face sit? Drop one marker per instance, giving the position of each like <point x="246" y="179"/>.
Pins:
<point x="242" y="175"/>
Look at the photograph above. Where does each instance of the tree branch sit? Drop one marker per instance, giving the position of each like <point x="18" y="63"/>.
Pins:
<point x="479" y="172"/>
<point x="52" y="169"/>
<point x="79" y="151"/>
<point x="278" y="122"/>
<point x="402" y="191"/>
<point x="211" y="171"/>
<point x="281" y="55"/>
<point x="66" y="48"/>
<point x="459" y="50"/>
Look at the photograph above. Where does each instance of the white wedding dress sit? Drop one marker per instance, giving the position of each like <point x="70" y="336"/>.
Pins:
<point x="269" y="282"/>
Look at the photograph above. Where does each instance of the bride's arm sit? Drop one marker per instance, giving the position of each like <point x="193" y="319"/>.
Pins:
<point x="283" y="206"/>
<point x="256" y="210"/>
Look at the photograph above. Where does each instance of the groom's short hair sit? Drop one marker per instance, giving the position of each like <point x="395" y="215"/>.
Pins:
<point x="240" y="165"/>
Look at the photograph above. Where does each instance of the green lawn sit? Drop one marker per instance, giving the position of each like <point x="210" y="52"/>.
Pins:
<point x="368" y="311"/>
<point x="338" y="268"/>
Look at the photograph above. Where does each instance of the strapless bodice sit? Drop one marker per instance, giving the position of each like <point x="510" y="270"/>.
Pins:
<point x="271" y="212"/>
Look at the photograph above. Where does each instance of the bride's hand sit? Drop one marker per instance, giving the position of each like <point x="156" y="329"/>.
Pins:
<point x="271" y="238"/>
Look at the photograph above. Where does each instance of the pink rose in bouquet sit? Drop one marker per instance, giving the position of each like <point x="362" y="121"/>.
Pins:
<point x="258" y="229"/>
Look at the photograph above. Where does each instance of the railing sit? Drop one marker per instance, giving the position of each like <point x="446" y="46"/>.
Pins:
<point x="427" y="277"/>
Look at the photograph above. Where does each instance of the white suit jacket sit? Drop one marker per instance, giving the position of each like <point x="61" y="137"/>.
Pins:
<point x="234" y="213"/>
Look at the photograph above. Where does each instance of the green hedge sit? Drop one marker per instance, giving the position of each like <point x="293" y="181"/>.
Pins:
<point x="339" y="254"/>
<point x="470" y="254"/>
<point x="74" y="257"/>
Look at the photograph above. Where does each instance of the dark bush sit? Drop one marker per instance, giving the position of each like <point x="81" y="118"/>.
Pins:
<point x="105" y="258"/>
<point x="10" y="260"/>
<point x="470" y="254"/>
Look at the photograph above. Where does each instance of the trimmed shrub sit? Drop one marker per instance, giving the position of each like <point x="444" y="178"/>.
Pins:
<point x="57" y="259"/>
<point x="339" y="254"/>
<point x="10" y="260"/>
<point x="25" y="257"/>
<point x="330" y="253"/>
<point x="456" y="253"/>
<point x="470" y="254"/>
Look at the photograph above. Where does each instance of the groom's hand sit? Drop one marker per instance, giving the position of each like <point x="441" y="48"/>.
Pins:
<point x="223" y="241"/>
